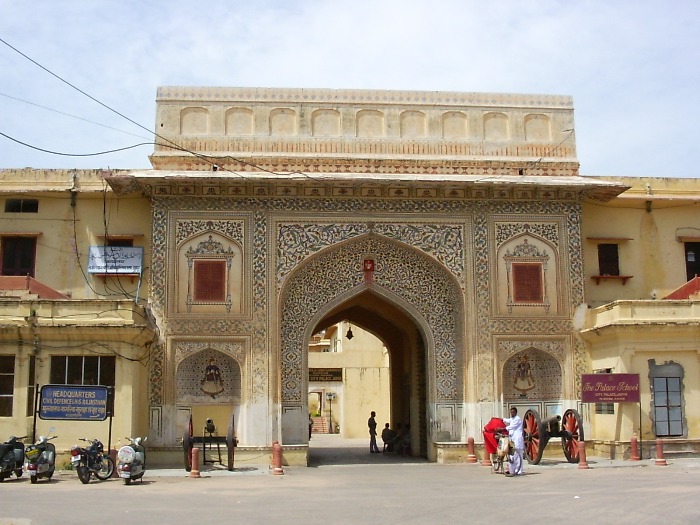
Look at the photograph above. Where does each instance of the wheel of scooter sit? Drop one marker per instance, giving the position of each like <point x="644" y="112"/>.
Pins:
<point x="83" y="474"/>
<point x="127" y="481"/>
<point x="33" y="479"/>
<point x="106" y="468"/>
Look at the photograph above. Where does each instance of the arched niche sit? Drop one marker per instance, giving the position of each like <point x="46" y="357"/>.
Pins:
<point x="528" y="277"/>
<point x="496" y="126"/>
<point x="454" y="125"/>
<point x="209" y="275"/>
<point x="283" y="122"/>
<point x="538" y="128"/>
<point x="239" y="121"/>
<point x="325" y="123"/>
<point x="208" y="377"/>
<point x="532" y="375"/>
<point x="370" y="123"/>
<point x="413" y="124"/>
<point x="194" y="121"/>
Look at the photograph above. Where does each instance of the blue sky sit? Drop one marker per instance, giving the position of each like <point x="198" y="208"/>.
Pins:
<point x="631" y="66"/>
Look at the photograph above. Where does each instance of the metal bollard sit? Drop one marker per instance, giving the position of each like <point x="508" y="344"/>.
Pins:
<point x="194" y="472"/>
<point x="277" y="459"/>
<point x="634" y="449"/>
<point x="582" y="463"/>
<point x="471" y="457"/>
<point x="660" y="460"/>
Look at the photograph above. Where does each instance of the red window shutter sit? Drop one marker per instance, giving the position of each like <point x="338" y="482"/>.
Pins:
<point x="527" y="283"/>
<point x="210" y="281"/>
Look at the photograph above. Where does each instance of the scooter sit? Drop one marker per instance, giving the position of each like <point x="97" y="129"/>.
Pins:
<point x="131" y="460"/>
<point x="11" y="457"/>
<point x="40" y="459"/>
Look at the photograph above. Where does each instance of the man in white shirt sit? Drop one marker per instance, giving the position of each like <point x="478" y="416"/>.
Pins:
<point x="514" y="426"/>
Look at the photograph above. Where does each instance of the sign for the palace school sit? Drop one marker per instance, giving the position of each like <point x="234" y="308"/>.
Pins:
<point x="610" y="388"/>
<point x="325" y="374"/>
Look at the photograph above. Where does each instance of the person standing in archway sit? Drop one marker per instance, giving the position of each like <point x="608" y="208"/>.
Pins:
<point x="372" y="424"/>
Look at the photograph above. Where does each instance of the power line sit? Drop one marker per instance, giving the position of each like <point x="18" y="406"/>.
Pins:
<point x="171" y="143"/>
<point x="70" y="115"/>
<point x="74" y="154"/>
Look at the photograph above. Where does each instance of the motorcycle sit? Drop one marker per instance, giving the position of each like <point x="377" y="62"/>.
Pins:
<point x="91" y="460"/>
<point x="40" y="459"/>
<point x="11" y="457"/>
<point x="131" y="460"/>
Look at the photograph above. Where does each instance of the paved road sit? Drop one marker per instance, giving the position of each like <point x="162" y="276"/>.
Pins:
<point x="347" y="485"/>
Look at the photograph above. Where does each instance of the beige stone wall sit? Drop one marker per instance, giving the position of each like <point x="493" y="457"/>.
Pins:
<point x="267" y="124"/>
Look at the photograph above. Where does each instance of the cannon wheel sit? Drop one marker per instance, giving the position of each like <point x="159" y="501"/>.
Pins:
<point x="531" y="429"/>
<point x="572" y="433"/>
<point x="187" y="444"/>
<point x="231" y="442"/>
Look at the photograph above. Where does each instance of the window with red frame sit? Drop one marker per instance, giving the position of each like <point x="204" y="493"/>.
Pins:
<point x="527" y="283"/>
<point x="209" y="281"/>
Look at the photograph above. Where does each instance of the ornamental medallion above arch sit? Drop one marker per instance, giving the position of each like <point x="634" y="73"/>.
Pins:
<point x="405" y="272"/>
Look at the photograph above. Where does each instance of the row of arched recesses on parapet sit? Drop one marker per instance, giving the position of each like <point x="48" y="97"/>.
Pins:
<point x="369" y="123"/>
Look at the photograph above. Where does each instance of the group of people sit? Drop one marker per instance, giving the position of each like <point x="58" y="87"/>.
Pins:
<point x="514" y="426"/>
<point x="397" y="441"/>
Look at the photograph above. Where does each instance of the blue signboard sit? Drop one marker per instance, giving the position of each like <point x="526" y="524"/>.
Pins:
<point x="76" y="403"/>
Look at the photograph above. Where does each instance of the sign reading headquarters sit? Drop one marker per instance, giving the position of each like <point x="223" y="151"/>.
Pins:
<point x="77" y="403"/>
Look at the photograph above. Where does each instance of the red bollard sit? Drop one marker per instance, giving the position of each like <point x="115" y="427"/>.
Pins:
<point x="660" y="460"/>
<point x="634" y="449"/>
<point x="471" y="457"/>
<point x="582" y="463"/>
<point x="277" y="458"/>
<point x="194" y="472"/>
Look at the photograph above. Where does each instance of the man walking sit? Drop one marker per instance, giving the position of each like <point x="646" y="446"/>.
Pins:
<point x="372" y="424"/>
<point x="514" y="426"/>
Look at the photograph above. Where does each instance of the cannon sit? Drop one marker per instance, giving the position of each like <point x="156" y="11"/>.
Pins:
<point x="209" y="440"/>
<point x="568" y="427"/>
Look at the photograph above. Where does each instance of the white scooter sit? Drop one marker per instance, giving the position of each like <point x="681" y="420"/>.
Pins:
<point x="131" y="460"/>
<point x="40" y="459"/>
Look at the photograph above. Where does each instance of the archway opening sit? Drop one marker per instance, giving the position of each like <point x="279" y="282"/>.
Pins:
<point x="380" y="368"/>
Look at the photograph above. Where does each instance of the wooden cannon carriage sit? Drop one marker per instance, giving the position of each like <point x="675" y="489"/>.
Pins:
<point x="209" y="440"/>
<point x="568" y="427"/>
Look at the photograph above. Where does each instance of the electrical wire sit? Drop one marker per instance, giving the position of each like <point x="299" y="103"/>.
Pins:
<point x="74" y="154"/>
<point x="72" y="116"/>
<point x="172" y="144"/>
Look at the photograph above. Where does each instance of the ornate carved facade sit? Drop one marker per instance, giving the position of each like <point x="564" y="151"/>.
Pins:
<point x="467" y="206"/>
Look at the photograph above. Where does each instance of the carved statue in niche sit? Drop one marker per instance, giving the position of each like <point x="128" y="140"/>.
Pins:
<point x="212" y="384"/>
<point x="523" y="380"/>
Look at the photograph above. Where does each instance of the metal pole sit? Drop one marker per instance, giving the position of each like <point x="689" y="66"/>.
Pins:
<point x="641" y="448"/>
<point x="36" y="401"/>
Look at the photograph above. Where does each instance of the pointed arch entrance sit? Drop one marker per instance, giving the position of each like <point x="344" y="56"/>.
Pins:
<point x="408" y="292"/>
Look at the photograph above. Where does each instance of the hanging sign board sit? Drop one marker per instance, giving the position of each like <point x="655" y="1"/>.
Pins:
<point x="325" y="374"/>
<point x="610" y="388"/>
<point x="115" y="260"/>
<point x="74" y="403"/>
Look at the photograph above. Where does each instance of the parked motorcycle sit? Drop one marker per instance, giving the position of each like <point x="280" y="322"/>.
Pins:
<point x="11" y="457"/>
<point x="91" y="460"/>
<point x="131" y="460"/>
<point x="40" y="459"/>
